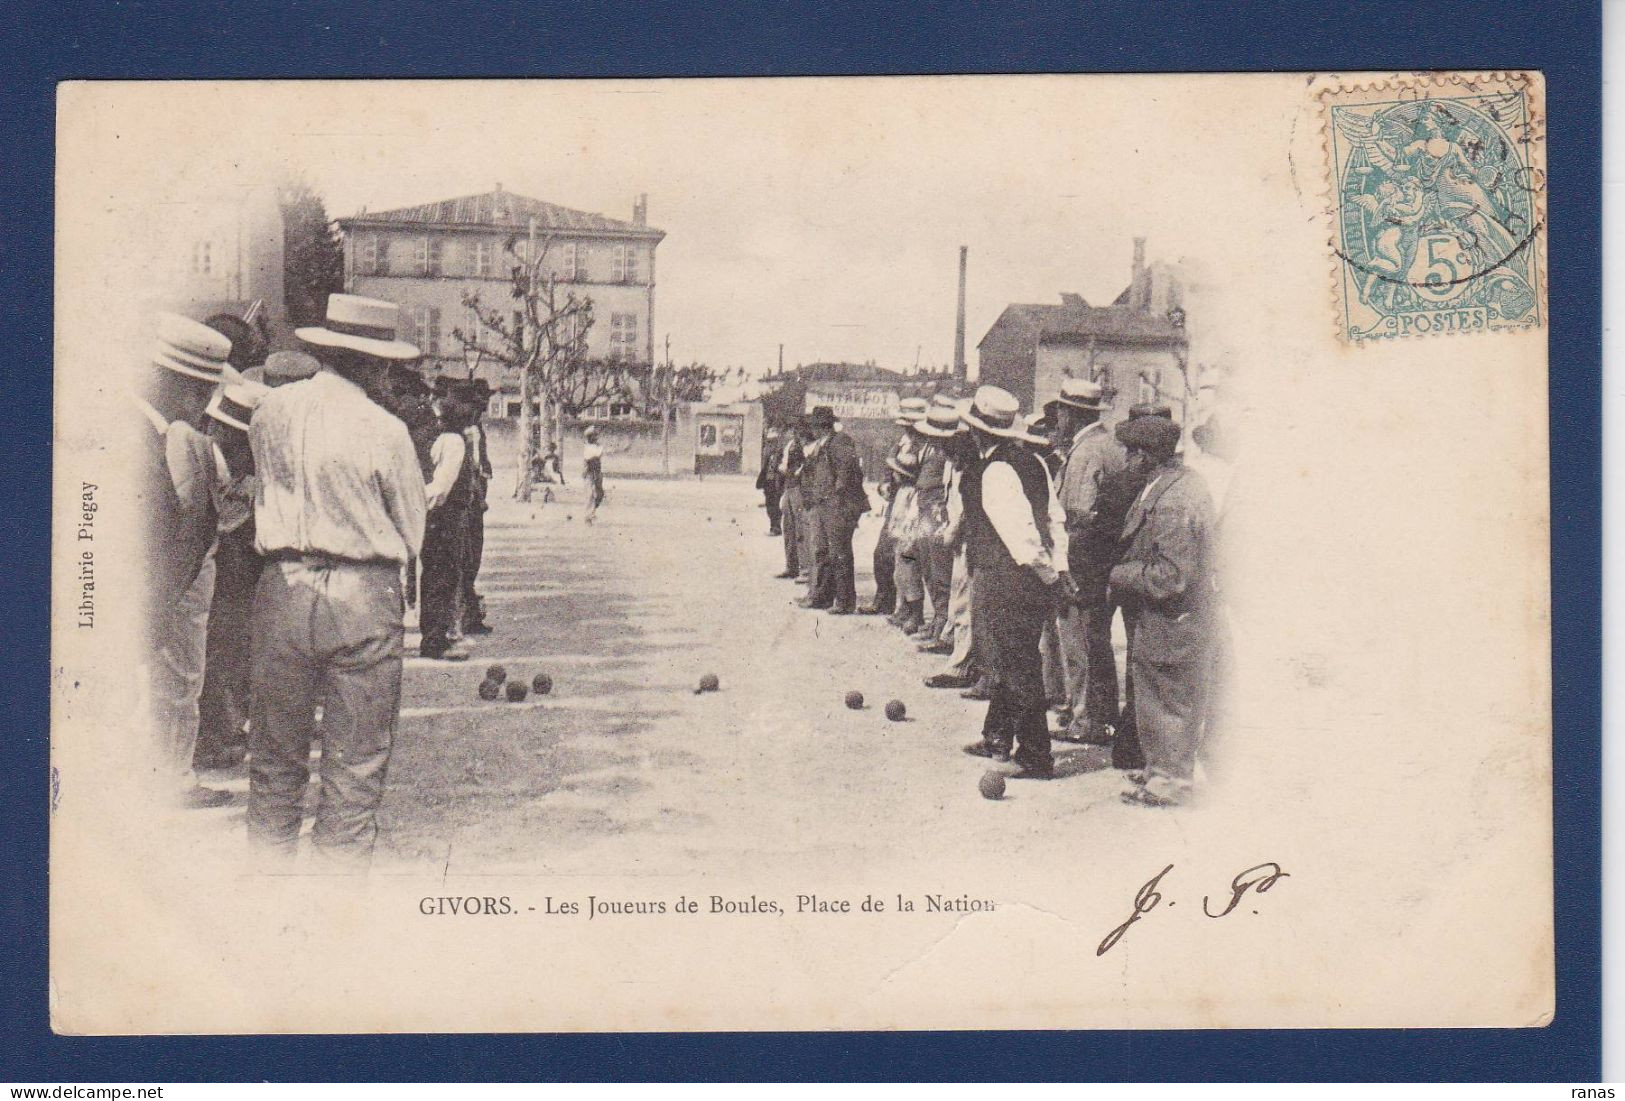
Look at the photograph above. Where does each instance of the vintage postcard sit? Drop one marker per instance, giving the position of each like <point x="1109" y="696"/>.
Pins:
<point x="1040" y="552"/>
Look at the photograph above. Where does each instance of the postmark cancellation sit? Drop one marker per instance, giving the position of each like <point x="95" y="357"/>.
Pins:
<point x="1436" y="188"/>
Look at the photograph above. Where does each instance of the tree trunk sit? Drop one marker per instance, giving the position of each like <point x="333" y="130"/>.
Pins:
<point x="665" y="441"/>
<point x="527" y="442"/>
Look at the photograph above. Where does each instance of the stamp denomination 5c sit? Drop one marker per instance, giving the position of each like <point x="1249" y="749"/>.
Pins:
<point x="1437" y="202"/>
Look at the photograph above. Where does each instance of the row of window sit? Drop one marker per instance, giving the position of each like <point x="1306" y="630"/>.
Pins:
<point x="431" y="341"/>
<point x="435" y="254"/>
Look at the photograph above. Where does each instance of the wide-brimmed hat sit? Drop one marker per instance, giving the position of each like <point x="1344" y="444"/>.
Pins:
<point x="366" y="325"/>
<point x="233" y="403"/>
<point x="941" y="421"/>
<point x="911" y="411"/>
<point x="192" y="349"/>
<point x="821" y="417"/>
<point x="1080" y="393"/>
<point x="1155" y="434"/>
<point x="995" y="412"/>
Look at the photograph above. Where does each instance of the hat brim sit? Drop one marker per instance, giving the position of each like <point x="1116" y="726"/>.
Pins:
<point x="381" y="349"/>
<point x="1009" y="432"/>
<point x="1075" y="403"/>
<point x="231" y="422"/>
<point x="181" y="367"/>
<point x="926" y="428"/>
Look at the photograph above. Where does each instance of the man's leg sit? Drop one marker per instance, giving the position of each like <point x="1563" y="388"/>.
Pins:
<point x="770" y="495"/>
<point x="1168" y="712"/>
<point x="885" y="564"/>
<point x="223" y="707"/>
<point x="180" y="668"/>
<point x="358" y="629"/>
<point x="790" y="523"/>
<point x="473" y="556"/>
<point x="939" y="579"/>
<point x="821" y="590"/>
<point x="437" y="596"/>
<point x="1100" y="691"/>
<point x="846" y="578"/>
<point x="285" y="694"/>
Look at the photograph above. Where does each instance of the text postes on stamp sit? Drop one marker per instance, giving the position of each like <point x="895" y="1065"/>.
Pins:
<point x="1437" y="197"/>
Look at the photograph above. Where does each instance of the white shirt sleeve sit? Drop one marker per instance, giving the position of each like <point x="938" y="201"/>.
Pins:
<point x="447" y="455"/>
<point x="1007" y="508"/>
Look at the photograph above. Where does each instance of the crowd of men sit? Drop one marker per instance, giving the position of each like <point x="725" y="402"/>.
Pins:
<point x="1009" y="544"/>
<point x="294" y="504"/>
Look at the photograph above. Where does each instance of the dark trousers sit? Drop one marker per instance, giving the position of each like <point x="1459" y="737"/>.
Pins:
<point x="1100" y="691"/>
<point x="771" y="491"/>
<point x="1009" y="609"/>
<point x="441" y="583"/>
<point x="834" y="582"/>
<point x="223" y="706"/>
<point x="327" y="633"/>
<point x="1169" y="705"/>
<point x="473" y="553"/>
<point x="1126" y="750"/>
<point x="885" y="563"/>
<point x="793" y="527"/>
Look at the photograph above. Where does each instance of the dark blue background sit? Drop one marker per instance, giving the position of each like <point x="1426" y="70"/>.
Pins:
<point x="294" y="39"/>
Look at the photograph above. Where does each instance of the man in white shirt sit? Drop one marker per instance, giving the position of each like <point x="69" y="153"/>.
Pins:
<point x="1015" y="545"/>
<point x="339" y="510"/>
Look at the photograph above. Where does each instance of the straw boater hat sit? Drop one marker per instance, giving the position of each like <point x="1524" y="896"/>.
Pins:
<point x="234" y="403"/>
<point x="910" y="412"/>
<point x="366" y="325"/>
<point x="941" y="420"/>
<point x="1080" y="393"/>
<point x="192" y="349"/>
<point x="995" y="412"/>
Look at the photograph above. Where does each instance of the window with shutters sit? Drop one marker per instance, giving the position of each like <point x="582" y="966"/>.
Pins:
<point x="433" y="255"/>
<point x="366" y="258"/>
<point x="420" y="256"/>
<point x="202" y="258"/>
<point x="630" y="264"/>
<point x="426" y="329"/>
<point x="380" y="264"/>
<point x="623" y="336"/>
<point x="617" y="264"/>
<point x="482" y="259"/>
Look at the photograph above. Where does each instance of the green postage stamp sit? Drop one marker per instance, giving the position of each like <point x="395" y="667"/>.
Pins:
<point x="1437" y="196"/>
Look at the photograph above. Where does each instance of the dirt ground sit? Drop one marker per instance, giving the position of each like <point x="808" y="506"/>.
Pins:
<point x="624" y="770"/>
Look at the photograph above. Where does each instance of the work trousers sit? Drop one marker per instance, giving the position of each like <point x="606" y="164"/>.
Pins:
<point x="1009" y="611"/>
<point x="1054" y="662"/>
<point x="793" y="528"/>
<point x="962" y="662"/>
<point x="937" y="565"/>
<point x="177" y="674"/>
<point x="325" y="632"/>
<point x="809" y="539"/>
<point x="223" y="707"/>
<point x="770" y="495"/>
<point x="441" y="582"/>
<point x="885" y="563"/>
<point x="834" y="581"/>
<point x="1169" y="705"/>
<point x="473" y="605"/>
<point x="908" y="578"/>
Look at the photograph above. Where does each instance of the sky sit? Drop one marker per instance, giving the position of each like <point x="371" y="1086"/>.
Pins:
<point x="823" y="214"/>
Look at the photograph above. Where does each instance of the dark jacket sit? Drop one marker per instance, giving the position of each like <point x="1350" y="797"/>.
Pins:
<point x="767" y="477"/>
<point x="833" y="477"/>
<point x="985" y="552"/>
<point x="1166" y="573"/>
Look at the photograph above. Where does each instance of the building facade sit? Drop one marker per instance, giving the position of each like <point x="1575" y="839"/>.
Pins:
<point x="429" y="258"/>
<point x="1135" y="348"/>
<point x="865" y="399"/>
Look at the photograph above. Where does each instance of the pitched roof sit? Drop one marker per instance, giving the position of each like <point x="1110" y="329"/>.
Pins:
<point x="1075" y="320"/>
<point x="503" y="210"/>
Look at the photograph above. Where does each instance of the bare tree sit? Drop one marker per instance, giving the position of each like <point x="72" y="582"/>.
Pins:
<point x="667" y="387"/>
<point x="541" y="334"/>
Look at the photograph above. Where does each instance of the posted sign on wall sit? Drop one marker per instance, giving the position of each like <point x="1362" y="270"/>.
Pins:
<point x="854" y="402"/>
